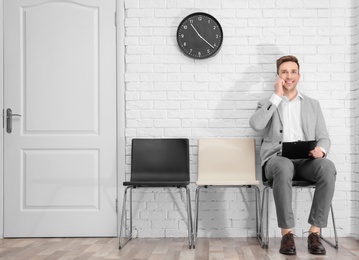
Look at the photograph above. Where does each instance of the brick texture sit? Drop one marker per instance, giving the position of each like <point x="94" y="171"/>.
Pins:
<point x="170" y="95"/>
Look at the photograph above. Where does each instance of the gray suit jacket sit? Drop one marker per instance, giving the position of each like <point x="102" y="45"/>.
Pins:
<point x="268" y="119"/>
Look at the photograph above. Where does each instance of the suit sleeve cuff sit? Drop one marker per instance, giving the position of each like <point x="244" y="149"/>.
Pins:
<point x="275" y="100"/>
<point x="323" y="150"/>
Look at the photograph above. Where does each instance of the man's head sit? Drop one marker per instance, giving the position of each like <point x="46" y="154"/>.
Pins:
<point x="288" y="58"/>
<point x="288" y="71"/>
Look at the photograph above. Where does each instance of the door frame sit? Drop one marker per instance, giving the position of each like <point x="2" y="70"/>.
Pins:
<point x="120" y="8"/>
<point x="3" y="120"/>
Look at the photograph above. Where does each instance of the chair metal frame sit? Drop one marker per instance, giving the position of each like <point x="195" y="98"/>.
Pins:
<point x="257" y="198"/>
<point x="265" y="201"/>
<point x="229" y="184"/>
<point x="127" y="227"/>
<point x="124" y="220"/>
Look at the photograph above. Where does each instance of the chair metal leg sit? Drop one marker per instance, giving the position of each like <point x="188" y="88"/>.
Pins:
<point x="195" y="233"/>
<point x="265" y="214"/>
<point x="123" y="225"/>
<point x="335" y="244"/>
<point x="189" y="217"/>
<point x="258" y="219"/>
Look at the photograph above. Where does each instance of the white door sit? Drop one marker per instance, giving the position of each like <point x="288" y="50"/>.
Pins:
<point x="60" y="155"/>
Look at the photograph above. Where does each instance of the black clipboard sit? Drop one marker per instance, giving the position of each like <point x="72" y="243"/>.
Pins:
<point x="298" y="150"/>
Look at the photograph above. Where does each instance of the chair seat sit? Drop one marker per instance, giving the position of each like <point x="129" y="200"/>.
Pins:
<point x="294" y="183"/>
<point x="156" y="183"/>
<point x="227" y="183"/>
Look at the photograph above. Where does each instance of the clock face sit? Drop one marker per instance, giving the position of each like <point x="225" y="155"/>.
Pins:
<point x="199" y="36"/>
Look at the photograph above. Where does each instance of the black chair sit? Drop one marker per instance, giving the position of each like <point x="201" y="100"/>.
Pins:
<point x="265" y="203"/>
<point x="157" y="163"/>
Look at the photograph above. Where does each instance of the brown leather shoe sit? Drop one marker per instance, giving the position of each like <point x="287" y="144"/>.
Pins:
<point x="287" y="245"/>
<point x="315" y="246"/>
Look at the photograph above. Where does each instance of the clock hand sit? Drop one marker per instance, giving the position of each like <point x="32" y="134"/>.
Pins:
<point x="200" y="36"/>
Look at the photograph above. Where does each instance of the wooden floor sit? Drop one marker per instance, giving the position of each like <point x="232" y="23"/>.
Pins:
<point x="163" y="249"/>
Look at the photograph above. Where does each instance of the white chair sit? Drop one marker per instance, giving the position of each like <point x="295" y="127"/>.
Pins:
<point x="227" y="162"/>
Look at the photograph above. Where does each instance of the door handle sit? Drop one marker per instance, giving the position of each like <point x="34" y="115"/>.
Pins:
<point x="9" y="116"/>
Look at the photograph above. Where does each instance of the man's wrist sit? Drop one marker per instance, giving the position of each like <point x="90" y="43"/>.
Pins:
<point x="275" y="99"/>
<point x="323" y="151"/>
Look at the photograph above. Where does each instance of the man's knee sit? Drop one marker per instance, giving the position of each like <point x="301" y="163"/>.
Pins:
<point x="327" y="169"/>
<point x="279" y="167"/>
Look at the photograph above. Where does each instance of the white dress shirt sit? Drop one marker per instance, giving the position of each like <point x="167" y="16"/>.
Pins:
<point x="292" y="123"/>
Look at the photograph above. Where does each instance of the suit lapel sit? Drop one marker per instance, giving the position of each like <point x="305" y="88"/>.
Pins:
<point x="305" y="123"/>
<point x="280" y="114"/>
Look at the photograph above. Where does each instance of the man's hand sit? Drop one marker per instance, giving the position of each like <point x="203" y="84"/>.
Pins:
<point x="316" y="153"/>
<point x="278" y="86"/>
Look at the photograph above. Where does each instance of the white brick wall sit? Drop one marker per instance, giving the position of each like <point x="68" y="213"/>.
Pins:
<point x="356" y="120"/>
<point x="170" y="95"/>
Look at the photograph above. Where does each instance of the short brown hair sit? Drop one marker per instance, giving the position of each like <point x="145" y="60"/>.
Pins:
<point x="287" y="58"/>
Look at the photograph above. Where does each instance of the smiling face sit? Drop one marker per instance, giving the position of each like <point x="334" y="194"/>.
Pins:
<point x="289" y="73"/>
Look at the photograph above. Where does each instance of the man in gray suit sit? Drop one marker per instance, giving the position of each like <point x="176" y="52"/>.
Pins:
<point x="287" y="116"/>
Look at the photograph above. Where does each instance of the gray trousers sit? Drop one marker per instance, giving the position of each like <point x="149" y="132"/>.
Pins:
<point x="281" y="171"/>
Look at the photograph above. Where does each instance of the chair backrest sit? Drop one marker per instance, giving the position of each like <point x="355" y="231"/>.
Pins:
<point x="226" y="159"/>
<point x="160" y="159"/>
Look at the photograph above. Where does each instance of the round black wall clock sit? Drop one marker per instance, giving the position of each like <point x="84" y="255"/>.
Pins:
<point x="199" y="35"/>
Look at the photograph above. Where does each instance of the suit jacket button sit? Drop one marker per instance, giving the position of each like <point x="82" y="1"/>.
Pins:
<point x="280" y="142"/>
<point x="280" y="131"/>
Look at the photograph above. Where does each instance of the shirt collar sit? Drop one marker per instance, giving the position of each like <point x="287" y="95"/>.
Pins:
<point x="299" y="95"/>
